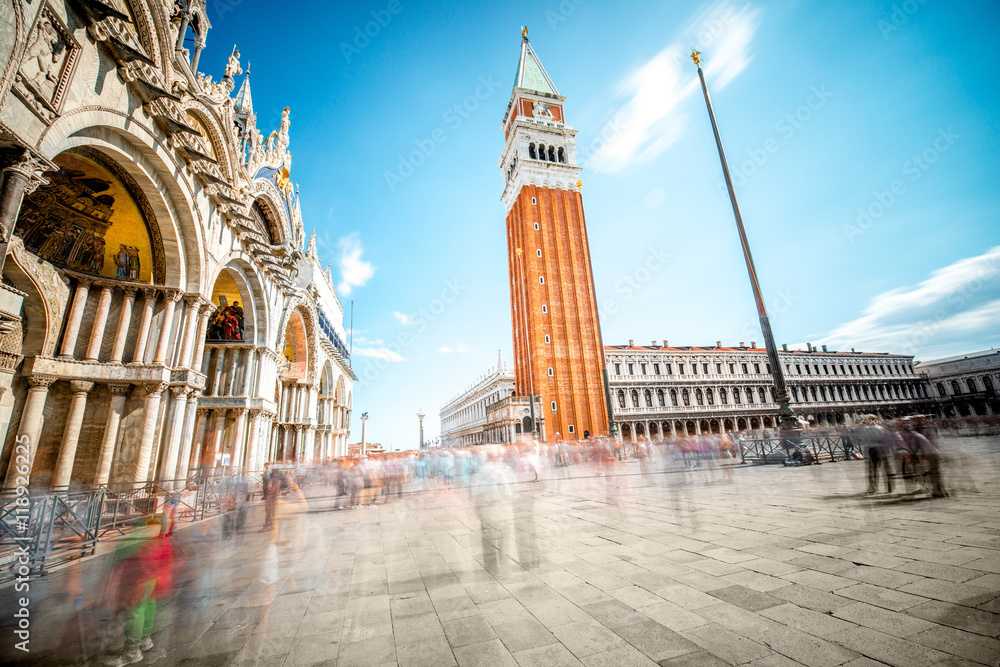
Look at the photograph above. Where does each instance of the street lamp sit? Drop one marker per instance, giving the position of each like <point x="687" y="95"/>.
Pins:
<point x="786" y="417"/>
<point x="364" y="442"/>
<point x="420" y="416"/>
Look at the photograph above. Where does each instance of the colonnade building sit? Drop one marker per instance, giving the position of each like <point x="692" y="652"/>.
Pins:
<point x="487" y="412"/>
<point x="161" y="307"/>
<point x="659" y="390"/>
<point x="965" y="385"/>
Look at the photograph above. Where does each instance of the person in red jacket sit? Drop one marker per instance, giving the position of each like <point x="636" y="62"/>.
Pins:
<point x="141" y="572"/>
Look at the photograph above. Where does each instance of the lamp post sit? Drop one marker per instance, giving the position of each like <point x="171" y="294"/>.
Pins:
<point x="420" y="416"/>
<point x="364" y="442"/>
<point x="786" y="417"/>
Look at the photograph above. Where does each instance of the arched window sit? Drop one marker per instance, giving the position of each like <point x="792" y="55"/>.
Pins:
<point x="541" y="151"/>
<point x="840" y="390"/>
<point x="699" y="397"/>
<point x="659" y="398"/>
<point x="955" y="389"/>
<point x="710" y="396"/>
<point x="749" y="395"/>
<point x="795" y="394"/>
<point x="723" y="398"/>
<point x="822" y="392"/>
<point x="972" y="385"/>
<point x="531" y="152"/>
<point x="562" y="155"/>
<point x="737" y="395"/>
<point x="649" y="399"/>
<point x="987" y="383"/>
<point x="621" y="399"/>
<point x="552" y="153"/>
<point x="685" y="397"/>
<point x="673" y="397"/>
<point x="763" y="395"/>
<point x="635" y="398"/>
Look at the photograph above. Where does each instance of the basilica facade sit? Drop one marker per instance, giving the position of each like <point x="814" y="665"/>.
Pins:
<point x="162" y="308"/>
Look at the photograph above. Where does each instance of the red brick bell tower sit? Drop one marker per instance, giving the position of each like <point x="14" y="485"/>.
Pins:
<point x="558" y="352"/>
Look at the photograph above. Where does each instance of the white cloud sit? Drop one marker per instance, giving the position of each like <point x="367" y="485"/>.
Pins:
<point x="403" y="318"/>
<point x="354" y="271"/>
<point x="649" y="122"/>
<point x="459" y="349"/>
<point x="379" y="353"/>
<point x="955" y="310"/>
<point x="445" y="350"/>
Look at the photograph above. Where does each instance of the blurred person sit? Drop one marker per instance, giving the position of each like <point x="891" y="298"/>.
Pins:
<point x="235" y="494"/>
<point x="877" y="446"/>
<point x="491" y="496"/>
<point x="141" y="571"/>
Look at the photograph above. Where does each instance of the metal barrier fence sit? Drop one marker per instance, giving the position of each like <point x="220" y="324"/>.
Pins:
<point x="798" y="449"/>
<point x="60" y="526"/>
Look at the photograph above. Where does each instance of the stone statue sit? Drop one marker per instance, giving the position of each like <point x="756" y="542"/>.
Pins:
<point x="283" y="129"/>
<point x="233" y="66"/>
<point x="541" y="110"/>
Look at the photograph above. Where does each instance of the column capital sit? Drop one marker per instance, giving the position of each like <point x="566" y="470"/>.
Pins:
<point x="155" y="388"/>
<point x="239" y="412"/>
<point x="179" y="390"/>
<point x="149" y="292"/>
<point x="40" y="381"/>
<point x="255" y="412"/>
<point x="32" y="167"/>
<point x="84" y="282"/>
<point x="128" y="290"/>
<point x="80" y="386"/>
<point x="192" y="300"/>
<point x="173" y="295"/>
<point x="194" y="394"/>
<point x="120" y="388"/>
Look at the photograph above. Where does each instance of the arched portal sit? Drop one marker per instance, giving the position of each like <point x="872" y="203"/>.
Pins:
<point x="93" y="218"/>
<point x="292" y="390"/>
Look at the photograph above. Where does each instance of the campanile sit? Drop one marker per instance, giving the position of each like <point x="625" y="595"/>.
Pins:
<point x="558" y="353"/>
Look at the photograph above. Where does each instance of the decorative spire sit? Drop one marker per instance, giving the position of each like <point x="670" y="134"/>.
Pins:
<point x="243" y="103"/>
<point x="530" y="74"/>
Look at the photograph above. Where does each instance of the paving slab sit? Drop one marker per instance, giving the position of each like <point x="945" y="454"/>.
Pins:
<point x="784" y="566"/>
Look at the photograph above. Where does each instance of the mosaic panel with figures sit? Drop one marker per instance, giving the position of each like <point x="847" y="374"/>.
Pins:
<point x="89" y="218"/>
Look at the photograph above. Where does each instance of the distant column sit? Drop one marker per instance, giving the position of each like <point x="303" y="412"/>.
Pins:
<point x="171" y="297"/>
<point x="238" y="429"/>
<point x="119" y="394"/>
<point x="193" y="302"/>
<point x="253" y="442"/>
<point x="178" y="407"/>
<point x="187" y="440"/>
<point x="142" y="338"/>
<point x="72" y="332"/>
<point x="71" y="432"/>
<point x="124" y="320"/>
<point x="100" y="321"/>
<point x="201" y="335"/>
<point x="31" y="424"/>
<point x="151" y="410"/>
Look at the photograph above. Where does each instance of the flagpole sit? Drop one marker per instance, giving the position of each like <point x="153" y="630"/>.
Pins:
<point x="786" y="417"/>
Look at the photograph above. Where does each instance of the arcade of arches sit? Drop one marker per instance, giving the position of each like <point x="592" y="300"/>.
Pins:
<point x="159" y="293"/>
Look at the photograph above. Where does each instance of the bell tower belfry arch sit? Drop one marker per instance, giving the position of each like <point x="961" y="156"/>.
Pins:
<point x="558" y="351"/>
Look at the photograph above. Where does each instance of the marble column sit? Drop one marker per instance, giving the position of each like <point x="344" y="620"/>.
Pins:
<point x="253" y="444"/>
<point x="187" y="440"/>
<point x="147" y="439"/>
<point x="190" y="326"/>
<point x="100" y="322"/>
<point x="13" y="182"/>
<point x="213" y="437"/>
<point x="124" y="320"/>
<point x="119" y="394"/>
<point x="178" y="407"/>
<point x="30" y="426"/>
<point x="166" y="328"/>
<point x="205" y="313"/>
<point x="297" y="443"/>
<point x="142" y="337"/>
<point x="71" y="432"/>
<point x="239" y="426"/>
<point x="200" y="461"/>
<point x="72" y="332"/>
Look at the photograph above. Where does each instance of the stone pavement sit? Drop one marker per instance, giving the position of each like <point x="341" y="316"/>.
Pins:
<point x="783" y="566"/>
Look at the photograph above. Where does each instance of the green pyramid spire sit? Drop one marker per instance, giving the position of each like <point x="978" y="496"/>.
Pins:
<point x="530" y="73"/>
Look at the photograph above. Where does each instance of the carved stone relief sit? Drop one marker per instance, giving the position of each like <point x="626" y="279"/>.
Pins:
<point x="48" y="65"/>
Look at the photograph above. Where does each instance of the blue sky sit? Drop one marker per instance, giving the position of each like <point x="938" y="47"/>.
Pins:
<point x="863" y="137"/>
